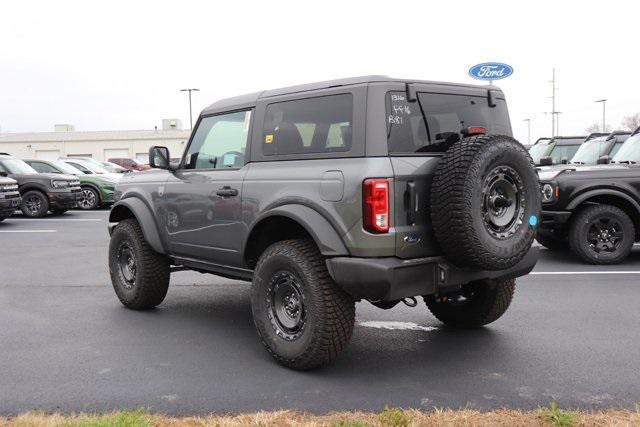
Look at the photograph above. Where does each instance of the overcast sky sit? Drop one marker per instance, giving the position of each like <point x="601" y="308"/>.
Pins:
<point x="120" y="64"/>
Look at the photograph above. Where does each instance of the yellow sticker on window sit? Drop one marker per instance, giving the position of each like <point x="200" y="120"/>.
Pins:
<point x="268" y="139"/>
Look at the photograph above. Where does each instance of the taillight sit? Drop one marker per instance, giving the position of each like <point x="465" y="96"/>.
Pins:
<point x="474" y="130"/>
<point x="376" y="205"/>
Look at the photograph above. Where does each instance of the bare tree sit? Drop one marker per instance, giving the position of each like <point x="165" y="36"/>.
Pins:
<point x="592" y="128"/>
<point x="631" y="122"/>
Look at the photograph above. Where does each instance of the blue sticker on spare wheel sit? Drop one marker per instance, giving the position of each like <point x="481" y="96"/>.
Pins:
<point x="491" y="71"/>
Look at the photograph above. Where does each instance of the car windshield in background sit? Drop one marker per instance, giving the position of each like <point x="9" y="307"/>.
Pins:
<point x="17" y="166"/>
<point x="66" y="168"/>
<point x="629" y="152"/>
<point x="590" y="151"/>
<point x="564" y="152"/>
<point x="539" y="150"/>
<point x="95" y="168"/>
<point x="445" y="116"/>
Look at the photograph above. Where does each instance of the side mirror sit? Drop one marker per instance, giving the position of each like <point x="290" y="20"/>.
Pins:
<point x="159" y="157"/>
<point x="564" y="161"/>
<point x="546" y="161"/>
<point x="604" y="160"/>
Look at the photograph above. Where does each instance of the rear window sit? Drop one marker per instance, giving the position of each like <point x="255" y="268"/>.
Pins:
<point x="306" y="126"/>
<point x="435" y="122"/>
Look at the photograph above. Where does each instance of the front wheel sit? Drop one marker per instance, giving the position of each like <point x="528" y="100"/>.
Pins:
<point x="303" y="318"/>
<point x="90" y="199"/>
<point x="602" y="234"/>
<point x="140" y="275"/>
<point x="477" y="304"/>
<point x="34" y="204"/>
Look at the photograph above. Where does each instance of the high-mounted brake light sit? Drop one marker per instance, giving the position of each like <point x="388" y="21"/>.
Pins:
<point x="474" y="130"/>
<point x="376" y="205"/>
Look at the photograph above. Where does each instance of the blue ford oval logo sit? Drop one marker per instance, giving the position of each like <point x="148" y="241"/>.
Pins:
<point x="490" y="71"/>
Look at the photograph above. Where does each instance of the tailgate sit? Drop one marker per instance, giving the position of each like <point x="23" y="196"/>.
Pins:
<point x="412" y="182"/>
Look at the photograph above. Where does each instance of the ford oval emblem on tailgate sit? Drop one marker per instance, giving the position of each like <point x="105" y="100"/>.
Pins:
<point x="490" y="71"/>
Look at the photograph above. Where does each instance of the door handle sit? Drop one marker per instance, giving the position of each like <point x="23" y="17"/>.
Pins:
<point x="227" y="191"/>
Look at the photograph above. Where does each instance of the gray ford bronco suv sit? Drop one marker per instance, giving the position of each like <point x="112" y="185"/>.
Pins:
<point x="329" y="193"/>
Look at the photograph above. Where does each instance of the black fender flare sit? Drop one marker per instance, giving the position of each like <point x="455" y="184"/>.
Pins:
<point x="143" y="215"/>
<point x="32" y="186"/>
<point x="603" y="192"/>
<point x="319" y="228"/>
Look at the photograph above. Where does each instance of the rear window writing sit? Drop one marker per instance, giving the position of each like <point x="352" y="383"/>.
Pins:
<point x="408" y="131"/>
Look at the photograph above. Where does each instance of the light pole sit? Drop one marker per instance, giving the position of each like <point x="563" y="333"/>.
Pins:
<point x="528" y="130"/>
<point x="604" y="106"/>
<point x="190" y="113"/>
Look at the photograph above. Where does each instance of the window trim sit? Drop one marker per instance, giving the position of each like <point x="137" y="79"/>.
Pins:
<point x="181" y="167"/>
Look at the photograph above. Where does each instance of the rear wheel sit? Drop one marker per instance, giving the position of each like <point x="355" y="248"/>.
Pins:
<point x="477" y="304"/>
<point x="552" y="241"/>
<point x="34" y="204"/>
<point x="602" y="234"/>
<point x="90" y="199"/>
<point x="303" y="318"/>
<point x="140" y="276"/>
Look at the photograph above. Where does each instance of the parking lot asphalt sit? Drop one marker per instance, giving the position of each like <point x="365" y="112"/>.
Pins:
<point x="572" y="334"/>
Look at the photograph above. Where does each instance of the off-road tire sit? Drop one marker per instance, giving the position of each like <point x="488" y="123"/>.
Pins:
<point x="457" y="202"/>
<point x="44" y="204"/>
<point x="152" y="269"/>
<point x="580" y="224"/>
<point x="552" y="242"/>
<point x="490" y="300"/>
<point x="329" y="311"/>
<point x="96" y="199"/>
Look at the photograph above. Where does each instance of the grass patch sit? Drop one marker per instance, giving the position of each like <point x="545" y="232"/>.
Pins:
<point x="550" y="416"/>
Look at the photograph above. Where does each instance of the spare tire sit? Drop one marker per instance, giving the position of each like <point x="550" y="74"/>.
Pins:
<point x="485" y="202"/>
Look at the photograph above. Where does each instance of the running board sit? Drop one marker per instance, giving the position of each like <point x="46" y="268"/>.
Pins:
<point x="236" y="273"/>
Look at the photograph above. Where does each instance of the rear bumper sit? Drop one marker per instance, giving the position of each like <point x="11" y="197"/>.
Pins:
<point x="391" y="279"/>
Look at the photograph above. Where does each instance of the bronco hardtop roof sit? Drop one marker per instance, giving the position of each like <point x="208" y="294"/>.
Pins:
<point x="568" y="140"/>
<point x="248" y="100"/>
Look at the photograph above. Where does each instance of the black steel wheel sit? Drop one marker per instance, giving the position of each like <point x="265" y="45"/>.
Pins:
<point x="503" y="202"/>
<point x="602" y="234"/>
<point x="34" y="204"/>
<point x="302" y="317"/>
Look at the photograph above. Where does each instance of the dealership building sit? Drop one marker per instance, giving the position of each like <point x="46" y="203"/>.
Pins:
<point x="100" y="145"/>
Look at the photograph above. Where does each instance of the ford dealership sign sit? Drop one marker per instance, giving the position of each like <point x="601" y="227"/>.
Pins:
<point x="490" y="71"/>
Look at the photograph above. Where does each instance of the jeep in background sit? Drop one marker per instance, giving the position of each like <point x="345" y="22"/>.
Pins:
<point x="97" y="189"/>
<point x="329" y="193"/>
<point x="599" y="150"/>
<point x="10" y="199"/>
<point x="554" y="151"/>
<point x="41" y="192"/>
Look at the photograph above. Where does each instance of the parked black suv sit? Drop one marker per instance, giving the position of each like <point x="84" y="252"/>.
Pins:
<point x="557" y="150"/>
<point x="41" y="192"/>
<point x="329" y="193"/>
<point x="9" y="197"/>
<point x="594" y="210"/>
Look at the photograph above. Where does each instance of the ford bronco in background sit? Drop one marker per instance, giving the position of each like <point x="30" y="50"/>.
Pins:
<point x="325" y="194"/>
<point x="41" y="192"/>
<point x="594" y="210"/>
<point x="10" y="199"/>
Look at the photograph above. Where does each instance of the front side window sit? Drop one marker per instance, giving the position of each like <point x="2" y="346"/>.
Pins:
<point x="43" y="167"/>
<point x="219" y="142"/>
<point x="307" y="126"/>
<point x="436" y="121"/>
<point x="563" y="152"/>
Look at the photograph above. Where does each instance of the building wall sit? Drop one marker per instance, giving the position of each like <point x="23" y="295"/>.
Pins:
<point x="98" y="145"/>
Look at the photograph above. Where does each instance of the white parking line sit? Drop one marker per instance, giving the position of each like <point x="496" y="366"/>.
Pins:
<point x="550" y="273"/>
<point x="28" y="231"/>
<point x="56" y="219"/>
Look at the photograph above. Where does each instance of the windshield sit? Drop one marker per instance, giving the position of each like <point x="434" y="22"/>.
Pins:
<point x="434" y="122"/>
<point x="66" y="168"/>
<point x="630" y="151"/>
<point x="590" y="151"/>
<point x="95" y="168"/>
<point x="539" y="151"/>
<point x="561" y="152"/>
<point x="17" y="166"/>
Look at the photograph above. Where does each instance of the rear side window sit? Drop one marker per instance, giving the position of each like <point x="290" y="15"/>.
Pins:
<point x="435" y="122"/>
<point x="306" y="126"/>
